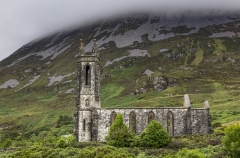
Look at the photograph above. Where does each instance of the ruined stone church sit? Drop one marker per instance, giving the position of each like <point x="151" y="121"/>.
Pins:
<point x="91" y="122"/>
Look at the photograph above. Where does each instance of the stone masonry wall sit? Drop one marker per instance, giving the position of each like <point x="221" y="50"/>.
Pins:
<point x="179" y="119"/>
<point x="200" y="122"/>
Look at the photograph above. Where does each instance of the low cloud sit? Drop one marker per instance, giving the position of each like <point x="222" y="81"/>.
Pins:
<point x="23" y="21"/>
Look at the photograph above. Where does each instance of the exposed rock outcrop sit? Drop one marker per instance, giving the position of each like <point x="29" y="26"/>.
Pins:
<point x="158" y="84"/>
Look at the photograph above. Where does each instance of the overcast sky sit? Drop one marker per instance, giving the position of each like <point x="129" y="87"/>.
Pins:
<point x="24" y="20"/>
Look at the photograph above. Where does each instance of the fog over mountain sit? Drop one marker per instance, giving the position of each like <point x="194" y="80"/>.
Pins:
<point x="23" y="21"/>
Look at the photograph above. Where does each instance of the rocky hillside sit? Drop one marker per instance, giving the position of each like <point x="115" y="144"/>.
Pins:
<point x="147" y="60"/>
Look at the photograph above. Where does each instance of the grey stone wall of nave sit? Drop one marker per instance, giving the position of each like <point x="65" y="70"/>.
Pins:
<point x="142" y="116"/>
<point x="201" y="121"/>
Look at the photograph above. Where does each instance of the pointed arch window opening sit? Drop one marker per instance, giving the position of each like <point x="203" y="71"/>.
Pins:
<point x="151" y="116"/>
<point x="170" y="123"/>
<point x="84" y="124"/>
<point x="86" y="103"/>
<point x="132" y="122"/>
<point x="87" y="75"/>
<point x="113" y="117"/>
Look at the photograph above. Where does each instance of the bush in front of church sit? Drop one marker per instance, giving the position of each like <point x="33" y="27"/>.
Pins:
<point x="231" y="140"/>
<point x="153" y="136"/>
<point x="119" y="135"/>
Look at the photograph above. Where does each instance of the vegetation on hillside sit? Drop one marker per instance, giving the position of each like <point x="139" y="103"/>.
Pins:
<point x="231" y="141"/>
<point x="49" y="144"/>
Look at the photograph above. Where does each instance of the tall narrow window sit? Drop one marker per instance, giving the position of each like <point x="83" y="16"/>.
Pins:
<point x="150" y="116"/>
<point x="113" y="117"/>
<point x="132" y="122"/>
<point x="170" y="123"/>
<point x="84" y="125"/>
<point x="86" y="103"/>
<point x="88" y="75"/>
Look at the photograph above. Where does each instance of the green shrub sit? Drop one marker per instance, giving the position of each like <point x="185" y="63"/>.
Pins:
<point x="217" y="124"/>
<point x="71" y="139"/>
<point x="7" y="143"/>
<point x="68" y="152"/>
<point x="87" y="152"/>
<point x="64" y="120"/>
<point x="218" y="132"/>
<point x="119" y="135"/>
<point x="112" y="152"/>
<point x="154" y="136"/>
<point x="8" y="134"/>
<point x="177" y="144"/>
<point x="21" y="143"/>
<point x="231" y="140"/>
<point x="186" y="153"/>
<point x="212" y="151"/>
<point x="61" y="143"/>
<point x="66" y="140"/>
<point x="87" y="144"/>
<point x="65" y="129"/>
<point x="141" y="155"/>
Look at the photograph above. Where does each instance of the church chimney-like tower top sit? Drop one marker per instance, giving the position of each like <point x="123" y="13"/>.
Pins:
<point x="81" y="48"/>
<point x="95" y="52"/>
<point x="95" y="48"/>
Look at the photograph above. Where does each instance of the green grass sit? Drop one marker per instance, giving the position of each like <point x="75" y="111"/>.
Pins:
<point x="219" y="47"/>
<point x="199" y="57"/>
<point x="108" y="94"/>
<point x="48" y="98"/>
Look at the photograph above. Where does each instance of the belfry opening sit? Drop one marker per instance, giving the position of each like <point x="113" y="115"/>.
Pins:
<point x="87" y="75"/>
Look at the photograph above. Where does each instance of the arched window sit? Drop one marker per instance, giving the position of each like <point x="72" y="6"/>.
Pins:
<point x="170" y="128"/>
<point x="84" y="125"/>
<point x="132" y="122"/>
<point x="113" y="117"/>
<point x="88" y="75"/>
<point x="87" y="103"/>
<point x="151" y="116"/>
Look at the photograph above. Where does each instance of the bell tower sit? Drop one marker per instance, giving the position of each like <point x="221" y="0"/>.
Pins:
<point x="88" y="95"/>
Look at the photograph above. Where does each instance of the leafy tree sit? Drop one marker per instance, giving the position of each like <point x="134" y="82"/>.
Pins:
<point x="119" y="135"/>
<point x="154" y="136"/>
<point x="231" y="140"/>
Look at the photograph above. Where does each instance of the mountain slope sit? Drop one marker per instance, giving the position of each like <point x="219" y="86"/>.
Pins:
<point x="147" y="60"/>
